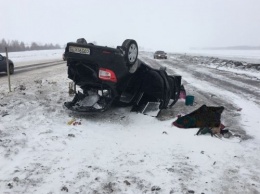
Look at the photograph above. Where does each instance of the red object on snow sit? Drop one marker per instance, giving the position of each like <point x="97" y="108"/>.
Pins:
<point x="182" y="95"/>
<point x="222" y="126"/>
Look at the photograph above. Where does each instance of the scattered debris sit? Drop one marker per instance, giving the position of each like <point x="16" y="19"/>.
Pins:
<point x="16" y="179"/>
<point x="182" y="93"/>
<point x="10" y="185"/>
<point x="38" y="81"/>
<point x="127" y="183"/>
<point x="22" y="87"/>
<point x="155" y="188"/>
<point x="71" y="121"/>
<point x="64" y="188"/>
<point x="71" y="88"/>
<point x="71" y="135"/>
<point x="205" y="116"/>
<point x="76" y="123"/>
<point x="4" y="114"/>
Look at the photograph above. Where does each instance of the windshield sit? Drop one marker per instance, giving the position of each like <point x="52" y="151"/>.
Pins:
<point x="159" y="52"/>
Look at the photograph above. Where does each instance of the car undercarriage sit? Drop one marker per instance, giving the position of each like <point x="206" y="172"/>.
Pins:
<point x="116" y="76"/>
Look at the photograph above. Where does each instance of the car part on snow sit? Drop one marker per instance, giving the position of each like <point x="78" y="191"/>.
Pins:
<point x="109" y="76"/>
<point x="152" y="109"/>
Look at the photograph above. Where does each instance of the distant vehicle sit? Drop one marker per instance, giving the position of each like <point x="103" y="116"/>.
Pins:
<point x="160" y="55"/>
<point x="3" y="65"/>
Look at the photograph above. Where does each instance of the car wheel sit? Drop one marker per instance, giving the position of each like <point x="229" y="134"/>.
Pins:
<point x="131" y="51"/>
<point x="11" y="69"/>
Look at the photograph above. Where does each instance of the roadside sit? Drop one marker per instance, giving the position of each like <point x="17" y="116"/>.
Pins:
<point x="120" y="151"/>
<point x="24" y="58"/>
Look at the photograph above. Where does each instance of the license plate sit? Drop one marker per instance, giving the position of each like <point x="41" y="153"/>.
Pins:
<point x="80" y="50"/>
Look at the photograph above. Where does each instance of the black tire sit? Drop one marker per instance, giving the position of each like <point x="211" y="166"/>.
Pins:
<point x="131" y="51"/>
<point x="11" y="69"/>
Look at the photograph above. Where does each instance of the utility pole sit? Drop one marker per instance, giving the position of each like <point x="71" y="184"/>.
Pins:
<point x="8" y="70"/>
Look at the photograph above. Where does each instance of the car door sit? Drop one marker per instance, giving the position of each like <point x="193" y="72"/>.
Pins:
<point x="1" y="60"/>
<point x="2" y="63"/>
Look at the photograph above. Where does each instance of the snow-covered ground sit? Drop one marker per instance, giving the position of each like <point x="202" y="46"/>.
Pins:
<point x="221" y="63"/>
<point x="46" y="149"/>
<point x="31" y="57"/>
<point x="250" y="56"/>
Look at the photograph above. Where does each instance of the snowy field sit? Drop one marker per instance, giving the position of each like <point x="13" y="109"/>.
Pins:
<point x="46" y="149"/>
<point x="250" y="56"/>
<point x="32" y="57"/>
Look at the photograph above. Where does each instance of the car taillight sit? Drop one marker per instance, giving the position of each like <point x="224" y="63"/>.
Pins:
<point x="107" y="75"/>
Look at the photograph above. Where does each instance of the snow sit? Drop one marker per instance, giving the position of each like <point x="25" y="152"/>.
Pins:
<point x="251" y="56"/>
<point x="31" y="57"/>
<point x="117" y="151"/>
<point x="225" y="62"/>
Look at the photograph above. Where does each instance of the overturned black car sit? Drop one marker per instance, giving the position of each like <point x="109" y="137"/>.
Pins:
<point x="116" y="76"/>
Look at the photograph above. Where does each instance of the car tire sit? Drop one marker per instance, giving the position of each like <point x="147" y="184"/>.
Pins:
<point x="11" y="69"/>
<point x="131" y="51"/>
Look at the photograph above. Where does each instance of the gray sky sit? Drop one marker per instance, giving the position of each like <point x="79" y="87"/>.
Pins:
<point x="170" y="25"/>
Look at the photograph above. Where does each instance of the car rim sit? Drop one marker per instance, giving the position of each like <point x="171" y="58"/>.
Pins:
<point x="132" y="53"/>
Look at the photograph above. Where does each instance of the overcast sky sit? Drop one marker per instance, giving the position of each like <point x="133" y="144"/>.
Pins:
<point x="155" y="24"/>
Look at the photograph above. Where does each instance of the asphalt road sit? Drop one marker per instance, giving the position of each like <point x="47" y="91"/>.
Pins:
<point x="31" y="67"/>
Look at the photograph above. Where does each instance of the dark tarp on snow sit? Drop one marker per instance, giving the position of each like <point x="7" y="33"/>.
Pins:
<point x="205" y="116"/>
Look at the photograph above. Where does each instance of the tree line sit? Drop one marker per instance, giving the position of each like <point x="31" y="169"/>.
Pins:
<point x="15" y="45"/>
